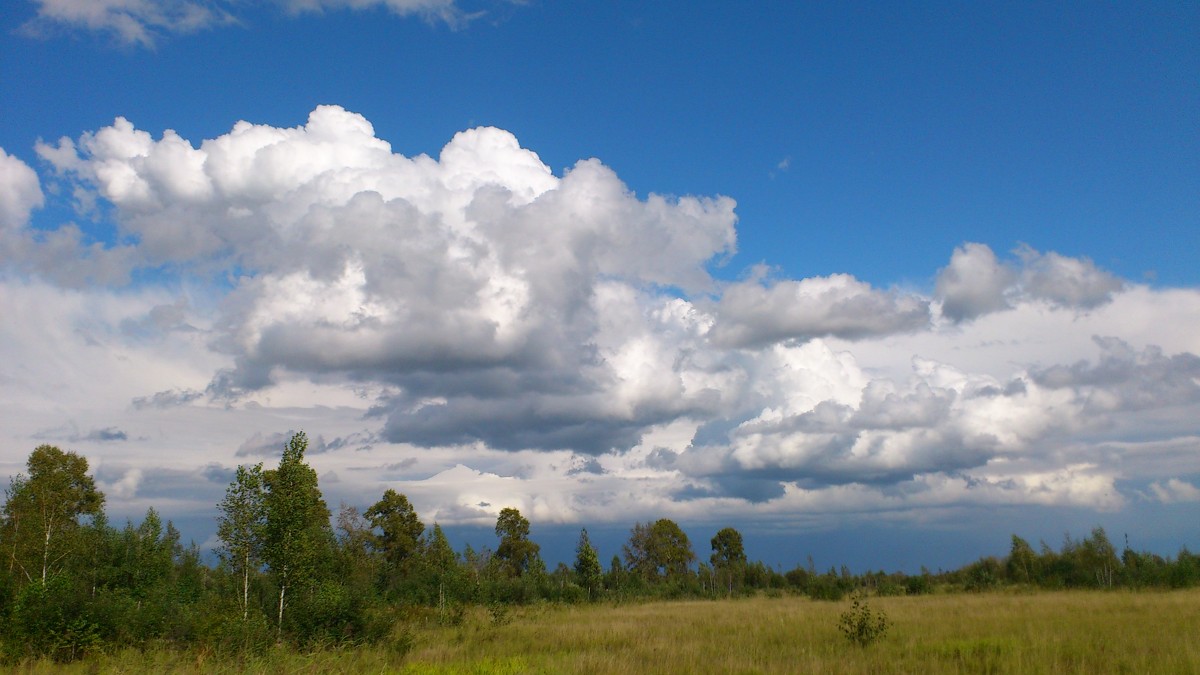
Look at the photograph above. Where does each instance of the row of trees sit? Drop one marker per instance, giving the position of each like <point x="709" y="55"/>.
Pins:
<point x="290" y="572"/>
<point x="1091" y="562"/>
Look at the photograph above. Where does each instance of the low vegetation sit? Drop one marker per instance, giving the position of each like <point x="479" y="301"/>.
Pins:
<point x="995" y="632"/>
<point x="381" y="592"/>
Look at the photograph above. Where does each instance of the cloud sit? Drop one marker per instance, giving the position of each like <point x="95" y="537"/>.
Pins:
<point x="124" y="487"/>
<point x="1065" y="282"/>
<point x="166" y="399"/>
<point x="479" y="283"/>
<point x="143" y="23"/>
<point x="1175" y="490"/>
<point x="973" y="283"/>
<point x="751" y="314"/>
<point x="1125" y="379"/>
<point x="474" y="329"/>
<point x="133" y="22"/>
<point x="977" y="283"/>
<point x="443" y="10"/>
<point x="20" y="193"/>
<point x="273" y="444"/>
<point x="104" y="435"/>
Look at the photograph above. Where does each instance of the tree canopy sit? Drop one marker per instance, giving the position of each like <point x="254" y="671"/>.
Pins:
<point x="44" y="511"/>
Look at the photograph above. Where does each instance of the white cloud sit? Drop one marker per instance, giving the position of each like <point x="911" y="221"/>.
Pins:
<point x="479" y="332"/>
<point x="977" y="283"/>
<point x="751" y="314"/>
<point x="144" y="22"/>
<point x="973" y="283"/>
<point x="135" y="22"/>
<point x="20" y="193"/>
<point x="1175" y="490"/>
<point x="1066" y="282"/>
<point x="445" y="10"/>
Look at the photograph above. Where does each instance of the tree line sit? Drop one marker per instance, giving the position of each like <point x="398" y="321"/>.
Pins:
<point x="289" y="572"/>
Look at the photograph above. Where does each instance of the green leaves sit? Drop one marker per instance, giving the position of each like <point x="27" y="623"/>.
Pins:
<point x="43" y="511"/>
<point x="297" y="536"/>
<point x="860" y="624"/>
<point x="400" y="529"/>
<point x="241" y="527"/>
<point x="587" y="565"/>
<point x="516" y="553"/>
<point x="659" y="551"/>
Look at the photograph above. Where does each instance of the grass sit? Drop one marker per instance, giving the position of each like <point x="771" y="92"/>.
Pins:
<point x="1002" y="632"/>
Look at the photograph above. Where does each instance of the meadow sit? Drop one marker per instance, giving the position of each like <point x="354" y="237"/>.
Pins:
<point x="1006" y="631"/>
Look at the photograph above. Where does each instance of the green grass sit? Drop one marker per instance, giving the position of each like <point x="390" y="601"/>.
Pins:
<point x="1003" y="632"/>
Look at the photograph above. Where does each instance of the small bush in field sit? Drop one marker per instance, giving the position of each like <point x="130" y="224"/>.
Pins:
<point x="862" y="625"/>
<point x="500" y="613"/>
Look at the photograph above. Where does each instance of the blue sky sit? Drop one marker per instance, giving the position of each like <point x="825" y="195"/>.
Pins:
<point x="960" y="252"/>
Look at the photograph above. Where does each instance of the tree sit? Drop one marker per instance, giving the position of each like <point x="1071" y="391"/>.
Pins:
<point x="240" y="527"/>
<point x="400" y="529"/>
<point x="1098" y="558"/>
<point x="1022" y="561"/>
<point x="516" y="553"/>
<point x="587" y="565"/>
<point x="441" y="567"/>
<point x="357" y="558"/>
<point x="658" y="551"/>
<point x="728" y="555"/>
<point x="297" y="534"/>
<point x="44" y="511"/>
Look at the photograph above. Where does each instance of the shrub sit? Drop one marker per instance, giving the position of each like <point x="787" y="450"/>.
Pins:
<point x="860" y="624"/>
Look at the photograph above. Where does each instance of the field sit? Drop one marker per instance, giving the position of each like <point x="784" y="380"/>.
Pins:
<point x="1002" y="632"/>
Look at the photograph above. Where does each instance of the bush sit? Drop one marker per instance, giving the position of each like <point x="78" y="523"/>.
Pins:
<point x="918" y="585"/>
<point x="860" y="624"/>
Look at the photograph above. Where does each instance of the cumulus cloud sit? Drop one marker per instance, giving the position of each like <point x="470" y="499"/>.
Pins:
<point x="973" y="283"/>
<point x="124" y="487"/>
<point x="977" y="283"/>
<point x="481" y="332"/>
<point x="1126" y="379"/>
<point x="479" y="283"/>
<point x="20" y="193"/>
<point x="753" y="314"/>
<point x="144" y="22"/>
<point x="1066" y="282"/>
<point x="1175" y="490"/>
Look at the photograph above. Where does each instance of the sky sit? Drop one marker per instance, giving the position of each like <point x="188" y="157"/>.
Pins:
<point x="876" y="283"/>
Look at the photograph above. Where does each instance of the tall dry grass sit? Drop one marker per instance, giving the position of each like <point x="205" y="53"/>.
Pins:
<point x="1004" y="632"/>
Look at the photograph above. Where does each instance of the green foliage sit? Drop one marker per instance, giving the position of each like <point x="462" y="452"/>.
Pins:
<point x="43" y="512"/>
<point x="400" y="530"/>
<point x="1022" y="563"/>
<point x="516" y="554"/>
<point x="659" y="551"/>
<point x="139" y="587"/>
<point x="587" y="566"/>
<point x="241" y="525"/>
<point x="298" y="539"/>
<point x="861" y="625"/>
<point x="729" y="561"/>
<point x="982" y="575"/>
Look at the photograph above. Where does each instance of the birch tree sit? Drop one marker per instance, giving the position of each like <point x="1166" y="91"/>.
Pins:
<point x="44" y="510"/>
<point x="297" y="534"/>
<point x="240" y="527"/>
